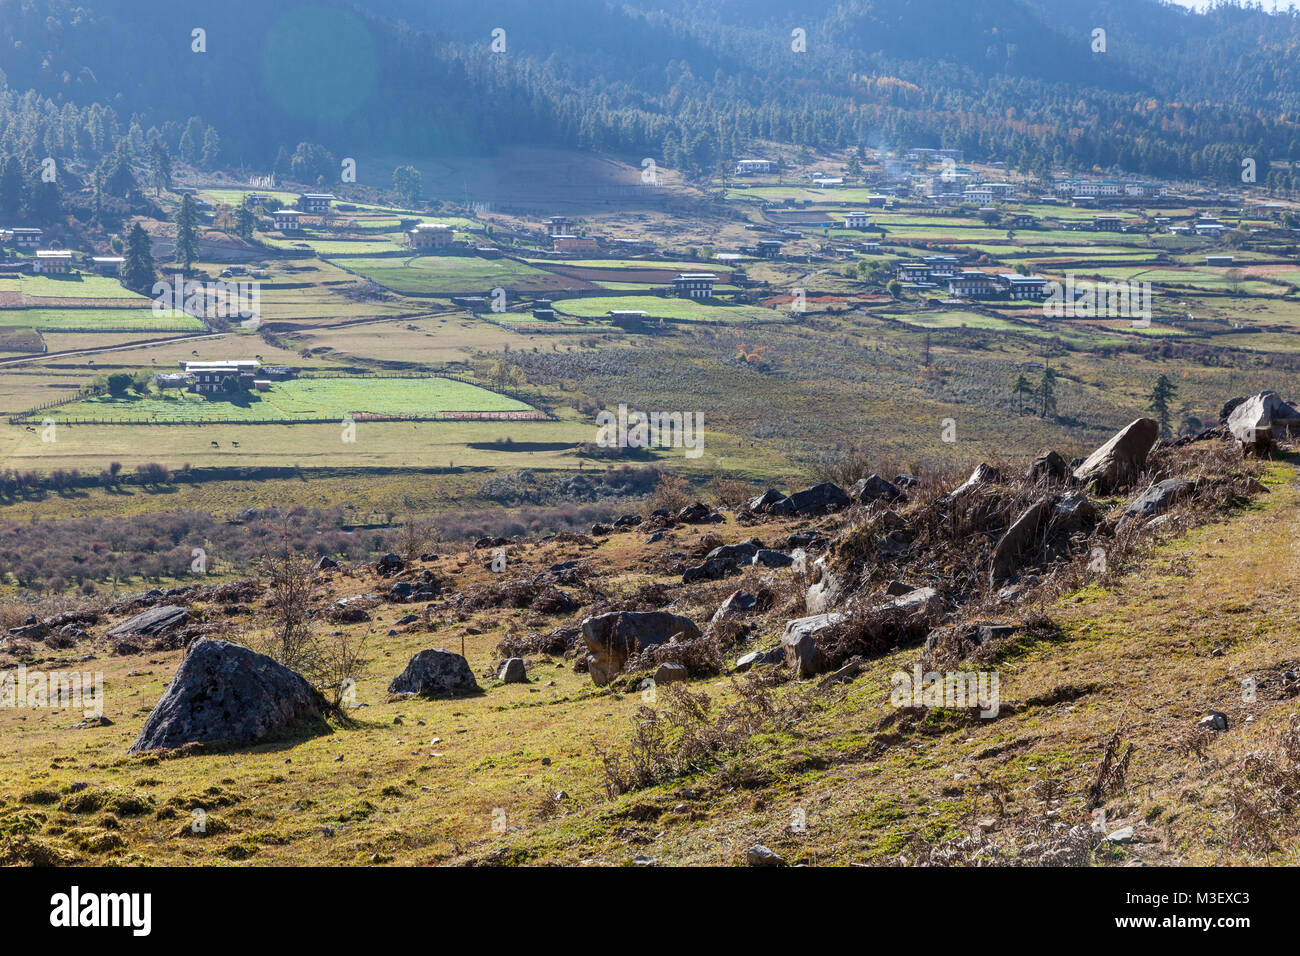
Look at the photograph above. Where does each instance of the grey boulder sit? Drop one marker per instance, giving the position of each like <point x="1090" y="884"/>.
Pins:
<point x="225" y="693"/>
<point x="1120" y="460"/>
<point x="614" y="637"/>
<point x="513" y="671"/>
<point x="154" y="622"/>
<point x="435" y="673"/>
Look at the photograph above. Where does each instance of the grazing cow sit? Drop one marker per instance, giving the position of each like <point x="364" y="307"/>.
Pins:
<point x="235" y="443"/>
<point x="216" y="445"/>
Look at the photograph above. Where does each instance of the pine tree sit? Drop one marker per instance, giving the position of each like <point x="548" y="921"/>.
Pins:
<point x="1047" y="393"/>
<point x="187" y="237"/>
<point x="138" y="268"/>
<point x="1020" y="390"/>
<point x="245" y="220"/>
<point x="1162" y="393"/>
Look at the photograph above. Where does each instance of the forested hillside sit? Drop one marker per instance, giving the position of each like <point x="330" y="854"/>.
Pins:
<point x="693" y="84"/>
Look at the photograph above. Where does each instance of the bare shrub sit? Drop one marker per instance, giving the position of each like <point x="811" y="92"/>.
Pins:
<point x="689" y="735"/>
<point x="673" y="493"/>
<point x="415" y="536"/>
<point x="1112" y="773"/>
<point x="1264" y="797"/>
<point x="731" y="492"/>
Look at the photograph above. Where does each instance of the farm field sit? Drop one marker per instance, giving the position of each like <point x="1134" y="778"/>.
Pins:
<point x="302" y="399"/>
<point x="689" y="310"/>
<point x="109" y="320"/>
<point x="75" y="286"/>
<point x="443" y="275"/>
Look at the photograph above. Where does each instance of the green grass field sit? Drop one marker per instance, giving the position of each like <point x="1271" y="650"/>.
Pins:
<point x="302" y="399"/>
<point x="75" y="286"/>
<point x="690" y="310"/>
<point x="434" y="275"/>
<point x="105" y="320"/>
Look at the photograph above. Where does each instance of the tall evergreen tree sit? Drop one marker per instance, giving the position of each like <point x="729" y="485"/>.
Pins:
<point x="1161" y="394"/>
<point x="187" y="233"/>
<point x="138" y="268"/>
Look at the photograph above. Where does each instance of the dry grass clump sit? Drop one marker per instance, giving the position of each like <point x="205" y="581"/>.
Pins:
<point x="702" y="657"/>
<point x="1264" y="797"/>
<point x="689" y="734"/>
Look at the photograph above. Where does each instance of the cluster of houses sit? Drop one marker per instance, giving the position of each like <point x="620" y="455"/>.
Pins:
<point x="55" y="261"/>
<point x="210" y="378"/>
<point x="933" y="271"/>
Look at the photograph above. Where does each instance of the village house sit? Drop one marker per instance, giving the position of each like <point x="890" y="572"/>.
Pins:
<point x="52" y="262"/>
<point x="544" y="310"/>
<point x="574" y="244"/>
<point x="1210" y="227"/>
<point x="1218" y="260"/>
<point x="286" y="220"/>
<point x="431" y="235"/>
<point x="1022" y="287"/>
<point x="317" y="204"/>
<point x="25" y="237"/>
<point x="913" y="272"/>
<point x="857" y="220"/>
<point x="1108" y="223"/>
<point x="768" y="248"/>
<point x="753" y="167"/>
<point x="210" y="377"/>
<point x="1022" y="220"/>
<point x="559" y="226"/>
<point x="107" y="265"/>
<point x="694" y="285"/>
<point x="628" y="319"/>
<point x="972" y="284"/>
<point x="870" y="248"/>
<point x="942" y="267"/>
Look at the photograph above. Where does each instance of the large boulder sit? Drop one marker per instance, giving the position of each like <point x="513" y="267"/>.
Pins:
<point x="804" y="638"/>
<point x="154" y="622"/>
<point x="614" y="637"/>
<point x="873" y="488"/>
<point x="721" y="561"/>
<point x="225" y="693"/>
<point x="1155" y="500"/>
<point x="1121" y="459"/>
<point x="1072" y="513"/>
<point x="435" y="673"/>
<point x="513" y="671"/>
<point x="816" y="500"/>
<point x="1254" y="420"/>
<point x="735" y="605"/>
<point x="761" y="503"/>
<point x="804" y="652"/>
<point x="1022" y="536"/>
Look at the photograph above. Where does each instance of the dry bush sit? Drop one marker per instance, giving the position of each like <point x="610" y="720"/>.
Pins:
<point x="415" y="536"/>
<point x="731" y="492"/>
<point x="689" y="735"/>
<point x="1112" y="773"/>
<point x="673" y="493"/>
<point x="702" y="657"/>
<point x="1264" y="797"/>
<point x="843" y="466"/>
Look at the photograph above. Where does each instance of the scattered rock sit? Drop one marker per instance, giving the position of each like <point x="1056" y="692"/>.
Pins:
<point x="1252" y="422"/>
<point x="759" y="855"/>
<point x="984" y="474"/>
<point x="1155" y="500"/>
<point x="669" y="673"/>
<point x="1214" y="720"/>
<point x="737" y="603"/>
<point x="1022" y="536"/>
<point x="513" y="671"/>
<point x="1049" y="465"/>
<point x="868" y="490"/>
<point x="326" y="563"/>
